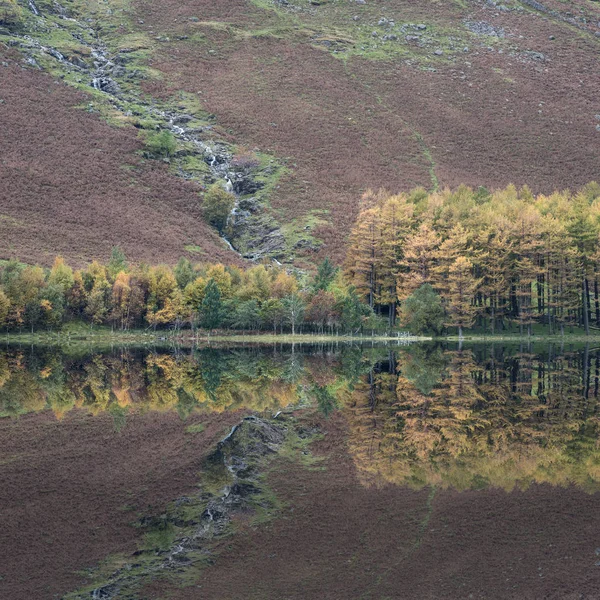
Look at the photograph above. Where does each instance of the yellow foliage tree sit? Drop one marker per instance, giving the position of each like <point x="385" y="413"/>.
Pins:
<point x="4" y="309"/>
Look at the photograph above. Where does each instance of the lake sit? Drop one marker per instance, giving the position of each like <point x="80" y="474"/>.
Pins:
<point x="333" y="471"/>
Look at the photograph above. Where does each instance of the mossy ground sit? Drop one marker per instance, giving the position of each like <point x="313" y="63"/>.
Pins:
<point x="370" y="31"/>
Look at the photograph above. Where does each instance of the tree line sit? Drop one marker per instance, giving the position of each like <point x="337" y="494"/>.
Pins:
<point x="469" y="257"/>
<point x="210" y="296"/>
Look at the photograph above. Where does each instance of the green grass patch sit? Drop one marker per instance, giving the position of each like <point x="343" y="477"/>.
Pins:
<point x="160" y="537"/>
<point x="298" y="233"/>
<point x="196" y="428"/>
<point x="368" y="31"/>
<point x="194" y="249"/>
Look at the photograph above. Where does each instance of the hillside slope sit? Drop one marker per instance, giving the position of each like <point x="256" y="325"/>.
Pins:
<point x="311" y="102"/>
<point x="73" y="185"/>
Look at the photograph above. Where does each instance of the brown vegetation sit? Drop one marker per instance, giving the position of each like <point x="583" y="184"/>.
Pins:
<point x="486" y="118"/>
<point x="70" y="490"/>
<point x="489" y="116"/>
<point x="73" y="185"/>
<point x="339" y="540"/>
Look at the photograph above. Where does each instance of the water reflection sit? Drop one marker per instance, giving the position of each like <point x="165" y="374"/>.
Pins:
<point x="36" y="379"/>
<point x="477" y="418"/>
<point x="417" y="416"/>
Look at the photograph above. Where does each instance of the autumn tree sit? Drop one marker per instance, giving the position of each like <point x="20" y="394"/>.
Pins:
<point x="256" y="284"/>
<point x="461" y="294"/>
<point x="364" y="254"/>
<point x="121" y="299"/>
<point x="211" y="308"/>
<point x="117" y="263"/>
<point x="530" y="252"/>
<point x="26" y="295"/>
<point x="76" y="296"/>
<point x="222" y="279"/>
<point x="4" y="309"/>
<point x="284" y="285"/>
<point x="97" y="306"/>
<point x="218" y="204"/>
<point x="584" y="233"/>
<point x="321" y="310"/>
<point x="184" y="272"/>
<point x="397" y="218"/>
<point x="165" y="300"/>
<point x="272" y="313"/>
<point x="420" y="257"/>
<point x="61" y="275"/>
<point x="493" y="264"/>
<point x="294" y="308"/>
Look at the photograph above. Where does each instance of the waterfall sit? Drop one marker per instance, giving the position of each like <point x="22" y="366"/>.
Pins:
<point x="102" y="74"/>
<point x="229" y="244"/>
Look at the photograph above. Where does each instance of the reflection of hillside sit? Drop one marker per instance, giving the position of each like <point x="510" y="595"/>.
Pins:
<point x="419" y="417"/>
<point x="503" y="422"/>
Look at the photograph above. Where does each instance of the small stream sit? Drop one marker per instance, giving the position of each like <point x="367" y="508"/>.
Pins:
<point x="104" y="77"/>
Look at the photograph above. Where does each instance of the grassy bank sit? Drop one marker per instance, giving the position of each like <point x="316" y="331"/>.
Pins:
<point x="77" y="333"/>
<point x="106" y="337"/>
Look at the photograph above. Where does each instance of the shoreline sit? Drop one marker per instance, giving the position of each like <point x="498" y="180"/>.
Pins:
<point x="141" y="338"/>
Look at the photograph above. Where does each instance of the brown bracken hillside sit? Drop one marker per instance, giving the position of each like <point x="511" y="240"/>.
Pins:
<point x="347" y="95"/>
<point x="71" y="184"/>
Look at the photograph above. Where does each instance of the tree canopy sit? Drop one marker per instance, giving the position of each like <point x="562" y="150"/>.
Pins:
<point x="497" y="260"/>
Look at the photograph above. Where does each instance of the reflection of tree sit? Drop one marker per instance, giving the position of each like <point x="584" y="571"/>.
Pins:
<point x="20" y="390"/>
<point x="502" y="421"/>
<point x="423" y="366"/>
<point x="207" y="380"/>
<point x="326" y="399"/>
<point x="463" y="419"/>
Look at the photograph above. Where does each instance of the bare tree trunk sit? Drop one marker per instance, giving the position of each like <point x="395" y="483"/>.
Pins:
<point x="585" y="306"/>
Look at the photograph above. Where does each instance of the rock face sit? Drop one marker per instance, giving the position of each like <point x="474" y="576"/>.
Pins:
<point x="535" y="5"/>
<point x="238" y="460"/>
<point x="257" y="235"/>
<point x="244" y="182"/>
<point x="485" y="28"/>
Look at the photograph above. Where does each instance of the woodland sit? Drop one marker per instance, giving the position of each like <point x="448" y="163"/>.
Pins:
<point x="495" y="260"/>
<point x="435" y="263"/>
<point x="212" y="296"/>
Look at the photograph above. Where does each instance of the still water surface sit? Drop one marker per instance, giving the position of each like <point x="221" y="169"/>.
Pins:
<point x="433" y="418"/>
<point x="417" y="415"/>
